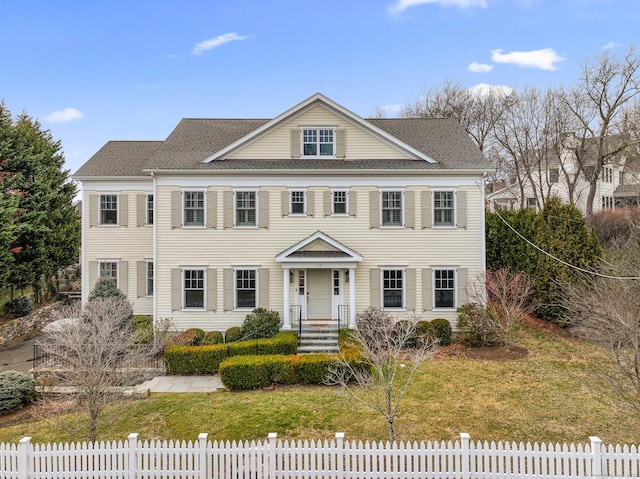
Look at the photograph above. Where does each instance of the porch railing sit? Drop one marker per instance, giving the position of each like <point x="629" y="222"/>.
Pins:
<point x="295" y="311"/>
<point x="343" y="316"/>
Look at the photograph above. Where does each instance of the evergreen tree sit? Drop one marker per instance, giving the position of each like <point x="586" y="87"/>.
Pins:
<point x="47" y="227"/>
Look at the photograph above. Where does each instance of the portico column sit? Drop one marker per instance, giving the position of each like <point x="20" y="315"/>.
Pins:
<point x="286" y="300"/>
<point x="352" y="298"/>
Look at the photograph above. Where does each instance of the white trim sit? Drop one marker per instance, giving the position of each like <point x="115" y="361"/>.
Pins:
<point x="256" y="278"/>
<point x="204" y="287"/>
<point x="404" y="287"/>
<point x="204" y="207"/>
<point x="332" y="106"/>
<point x="283" y="257"/>
<point x="346" y="199"/>
<point x="304" y="201"/>
<point x="455" y="287"/>
<point x="256" y="191"/>
<point x="402" y="207"/>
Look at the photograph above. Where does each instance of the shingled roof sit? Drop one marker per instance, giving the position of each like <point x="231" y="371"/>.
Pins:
<point x="194" y="140"/>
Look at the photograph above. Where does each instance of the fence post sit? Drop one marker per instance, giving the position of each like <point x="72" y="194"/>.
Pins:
<point x="203" y="463"/>
<point x="464" y="454"/>
<point x="24" y="450"/>
<point x="596" y="456"/>
<point x="133" y="457"/>
<point x="340" y="454"/>
<point x="272" y="454"/>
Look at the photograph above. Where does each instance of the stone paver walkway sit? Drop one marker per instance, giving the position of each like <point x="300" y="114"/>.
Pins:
<point x="183" y="384"/>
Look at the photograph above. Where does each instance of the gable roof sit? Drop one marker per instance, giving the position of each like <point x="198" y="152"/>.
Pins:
<point x="326" y="249"/>
<point x="196" y="144"/>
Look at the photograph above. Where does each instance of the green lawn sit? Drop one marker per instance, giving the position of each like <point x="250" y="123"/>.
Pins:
<point x="552" y="395"/>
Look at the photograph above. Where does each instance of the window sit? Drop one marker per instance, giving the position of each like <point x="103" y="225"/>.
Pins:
<point x="607" y="203"/>
<point x="149" y="209"/>
<point x="621" y="178"/>
<point x="108" y="209"/>
<point x="297" y="202"/>
<point x="339" y="202"/>
<point x="392" y="208"/>
<point x="193" y="288"/>
<point x="443" y="208"/>
<point x="392" y="288"/>
<point x="318" y="142"/>
<point x="553" y="175"/>
<point x="108" y="269"/>
<point x="607" y="174"/>
<point x="531" y="203"/>
<point x="246" y="208"/>
<point x="193" y="208"/>
<point x="149" y="280"/>
<point x="444" y="288"/>
<point x="245" y="288"/>
<point x="336" y="282"/>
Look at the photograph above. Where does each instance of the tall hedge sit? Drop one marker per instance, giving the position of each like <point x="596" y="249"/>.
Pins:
<point x="559" y="229"/>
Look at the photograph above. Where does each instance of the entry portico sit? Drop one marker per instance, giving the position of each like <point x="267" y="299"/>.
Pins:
<point x="317" y="267"/>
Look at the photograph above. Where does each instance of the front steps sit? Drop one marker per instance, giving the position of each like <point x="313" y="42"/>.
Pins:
<point x="318" y="337"/>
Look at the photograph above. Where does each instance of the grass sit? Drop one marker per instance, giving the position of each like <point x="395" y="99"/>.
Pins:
<point x="552" y="395"/>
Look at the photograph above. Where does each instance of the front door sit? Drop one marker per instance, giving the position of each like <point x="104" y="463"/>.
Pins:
<point x="319" y="299"/>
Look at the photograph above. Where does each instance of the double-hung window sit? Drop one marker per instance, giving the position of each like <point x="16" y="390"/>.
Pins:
<point x="149" y="209"/>
<point x="392" y="208"/>
<point x="393" y="288"/>
<point x="607" y="174"/>
<point x="193" y="208"/>
<point x="607" y="202"/>
<point x="246" y="208"/>
<point x="193" y="287"/>
<point x="443" y="208"/>
<point x="245" y="288"/>
<point x="444" y="282"/>
<point x="108" y="209"/>
<point x="339" y="202"/>
<point x="318" y="142"/>
<point x="149" y="278"/>
<point x="108" y="269"/>
<point x="297" y="202"/>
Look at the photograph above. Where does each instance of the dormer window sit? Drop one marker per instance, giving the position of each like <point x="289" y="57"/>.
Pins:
<point x="318" y="142"/>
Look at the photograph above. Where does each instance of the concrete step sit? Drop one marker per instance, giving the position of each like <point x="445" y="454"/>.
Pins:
<point x="308" y="349"/>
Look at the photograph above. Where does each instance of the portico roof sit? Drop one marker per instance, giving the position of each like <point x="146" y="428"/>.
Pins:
<point x="319" y="248"/>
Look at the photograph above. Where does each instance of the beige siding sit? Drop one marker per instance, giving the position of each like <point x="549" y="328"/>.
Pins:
<point x="277" y="144"/>
<point x="128" y="245"/>
<point x="221" y="249"/>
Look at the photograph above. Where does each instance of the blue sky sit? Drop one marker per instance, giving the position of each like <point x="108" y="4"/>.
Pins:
<point x="100" y="70"/>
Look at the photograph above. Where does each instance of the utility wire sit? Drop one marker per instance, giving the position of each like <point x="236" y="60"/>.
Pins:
<point x="594" y="273"/>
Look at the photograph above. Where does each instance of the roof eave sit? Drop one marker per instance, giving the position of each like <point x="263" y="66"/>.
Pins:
<point x="288" y="172"/>
<point x="110" y="178"/>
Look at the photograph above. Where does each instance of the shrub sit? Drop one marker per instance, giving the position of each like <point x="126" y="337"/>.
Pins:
<point x="19" y="307"/>
<point x="261" y="323"/>
<point x="233" y="334"/>
<point x="206" y="359"/>
<point x="16" y="389"/>
<point x="476" y="326"/>
<point x="189" y="337"/>
<point x="106" y="288"/>
<point x="212" y="337"/>
<point x="442" y="329"/>
<point x="425" y="332"/>
<point x="142" y="328"/>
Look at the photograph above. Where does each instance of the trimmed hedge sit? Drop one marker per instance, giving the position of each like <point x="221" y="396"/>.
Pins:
<point x="233" y="334"/>
<point x="207" y="359"/>
<point x="442" y="328"/>
<point x="213" y="337"/>
<point x="251" y="372"/>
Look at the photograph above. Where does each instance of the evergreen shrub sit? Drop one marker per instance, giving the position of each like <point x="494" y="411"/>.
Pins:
<point x="16" y="390"/>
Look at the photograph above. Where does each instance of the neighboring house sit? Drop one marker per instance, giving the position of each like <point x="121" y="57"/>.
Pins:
<point x="560" y="175"/>
<point x="317" y="214"/>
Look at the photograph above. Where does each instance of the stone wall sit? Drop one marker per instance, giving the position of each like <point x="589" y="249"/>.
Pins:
<point x="21" y="329"/>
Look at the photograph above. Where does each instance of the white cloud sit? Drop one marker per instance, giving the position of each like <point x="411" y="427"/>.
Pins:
<point x="400" y="6"/>
<point x="611" y="45"/>
<point x="544" y="59"/>
<point x="216" y="42"/>
<point x="476" y="67"/>
<point x="63" y="116"/>
<point x="484" y="89"/>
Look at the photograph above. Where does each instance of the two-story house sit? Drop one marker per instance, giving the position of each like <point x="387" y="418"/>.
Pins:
<point x="316" y="213"/>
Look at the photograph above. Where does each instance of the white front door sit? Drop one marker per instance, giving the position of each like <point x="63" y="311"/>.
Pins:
<point x="319" y="294"/>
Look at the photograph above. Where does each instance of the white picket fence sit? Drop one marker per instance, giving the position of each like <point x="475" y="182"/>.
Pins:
<point x="335" y="459"/>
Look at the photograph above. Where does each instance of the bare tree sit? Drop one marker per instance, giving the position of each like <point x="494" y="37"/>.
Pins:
<point x="97" y="352"/>
<point x="606" y="310"/>
<point x="511" y="298"/>
<point x="388" y="355"/>
<point x="600" y="104"/>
